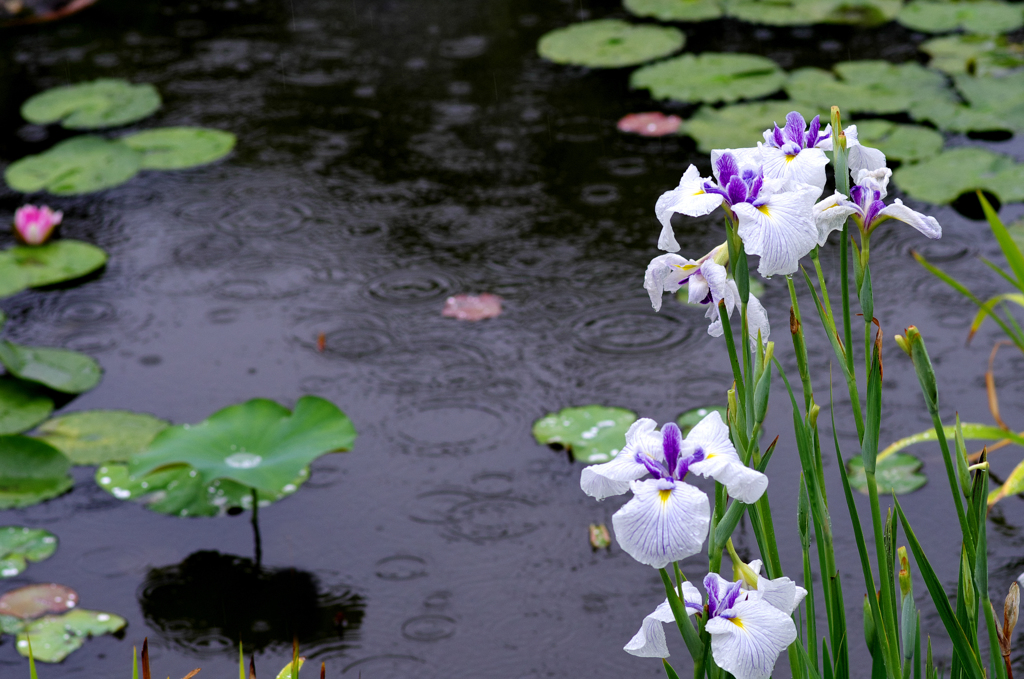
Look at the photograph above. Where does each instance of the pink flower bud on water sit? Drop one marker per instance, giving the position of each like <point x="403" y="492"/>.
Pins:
<point x="35" y="224"/>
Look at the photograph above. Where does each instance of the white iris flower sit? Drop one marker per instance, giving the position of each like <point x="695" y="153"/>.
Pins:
<point x="859" y="157"/>
<point x="794" y="154"/>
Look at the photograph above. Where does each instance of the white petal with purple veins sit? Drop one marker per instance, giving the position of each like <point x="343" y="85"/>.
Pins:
<point x="667" y="273"/>
<point x="876" y="180"/>
<point x="689" y="198"/>
<point x="757" y="320"/>
<point x="613" y="477"/>
<point x="746" y="159"/>
<point x="649" y="642"/>
<point x="927" y="225"/>
<point x="861" y="157"/>
<point x="781" y="231"/>
<point x="721" y="461"/>
<point x="830" y="215"/>
<point x="748" y="644"/>
<point x="664" y="522"/>
<point x="806" y="167"/>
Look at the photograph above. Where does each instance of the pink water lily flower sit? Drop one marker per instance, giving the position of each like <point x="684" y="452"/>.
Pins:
<point x="35" y="224"/>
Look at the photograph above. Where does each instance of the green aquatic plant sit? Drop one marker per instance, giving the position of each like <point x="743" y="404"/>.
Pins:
<point x="710" y="78"/>
<point x="78" y="165"/>
<point x="870" y="86"/>
<point x="978" y="55"/>
<point x="609" y="43"/>
<point x="20" y="545"/>
<point x="589" y="433"/>
<point x="987" y="17"/>
<point x="33" y="266"/>
<point x="107" y="102"/>
<point x="945" y="177"/>
<point x="31" y="471"/>
<point x="98" y="436"/>
<point x="177" y="148"/>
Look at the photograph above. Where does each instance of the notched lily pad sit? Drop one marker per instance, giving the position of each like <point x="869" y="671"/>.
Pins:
<point x="19" y="545"/>
<point x="943" y="178"/>
<point x="675" y="10"/>
<point x="591" y="433"/>
<point x="899" y="142"/>
<point x="976" y="16"/>
<point x="107" y="102"/>
<point x="894" y="474"/>
<point x="870" y="86"/>
<point x="22" y="406"/>
<point x="609" y="43"/>
<point x="736" y="126"/>
<point x="55" y="637"/>
<point x="32" y="266"/>
<point x="98" y="436"/>
<point x="710" y="78"/>
<point x="59" y="369"/>
<point x="979" y="55"/>
<point x="77" y="165"/>
<point x="32" y="601"/>
<point x="175" y="148"/>
<point x="31" y="471"/>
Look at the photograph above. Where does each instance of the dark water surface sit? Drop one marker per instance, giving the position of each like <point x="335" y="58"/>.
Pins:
<point x="392" y="153"/>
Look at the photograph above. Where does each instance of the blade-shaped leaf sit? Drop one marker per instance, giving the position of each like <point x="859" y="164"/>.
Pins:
<point x="972" y="432"/>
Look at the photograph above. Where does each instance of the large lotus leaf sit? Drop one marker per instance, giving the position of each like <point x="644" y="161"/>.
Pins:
<point x="675" y="10"/>
<point x="106" y="102"/>
<point x="979" y="55"/>
<point x="59" y="369"/>
<point x="31" y="471"/>
<point x="33" y="601"/>
<point x="591" y="433"/>
<point x="181" y="491"/>
<point x="994" y="102"/>
<point x="609" y="43"/>
<point x="710" y="78"/>
<point x="32" y="266"/>
<point x="55" y="637"/>
<point x="77" y="165"/>
<point x="98" y="436"/>
<point x="19" y="545"/>
<point x="899" y="142"/>
<point x="736" y="126"/>
<point x="22" y="406"/>
<point x="894" y="474"/>
<point x="976" y="16"/>
<point x="175" y="148"/>
<point x="942" y="178"/>
<point x="780" y="12"/>
<point x="871" y="86"/>
<point x="259" y="443"/>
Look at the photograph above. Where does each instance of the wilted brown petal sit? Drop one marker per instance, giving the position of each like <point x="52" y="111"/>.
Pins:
<point x="472" y="307"/>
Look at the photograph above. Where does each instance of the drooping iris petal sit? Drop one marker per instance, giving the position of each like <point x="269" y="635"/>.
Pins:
<point x="613" y="477"/>
<point x="649" y="642"/>
<point x="804" y="167"/>
<point x="717" y="278"/>
<point x="926" y="224"/>
<point x="782" y="593"/>
<point x="830" y="215"/>
<point x="861" y="157"/>
<point x="665" y="521"/>
<point x="747" y="639"/>
<point x="731" y="299"/>
<point x="689" y="198"/>
<point x="757" y="320"/>
<point x="667" y="273"/>
<point x="873" y="180"/>
<point x="780" y="230"/>
<point x="721" y="461"/>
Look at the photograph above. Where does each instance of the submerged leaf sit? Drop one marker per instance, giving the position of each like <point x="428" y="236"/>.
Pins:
<point x="653" y="124"/>
<point x="472" y="307"/>
<point x="97" y="436"/>
<point x="32" y="266"/>
<point x="675" y="10"/>
<point x="710" y="78"/>
<point x="32" y="601"/>
<point x="609" y="43"/>
<point x="55" y="637"/>
<point x="107" y="102"/>
<point x="31" y="471"/>
<point x="19" y="545"/>
<point x="977" y="16"/>
<point x="946" y="176"/>
<point x="175" y="148"/>
<point x="77" y="165"/>
<point x="736" y="126"/>
<point x="894" y="474"/>
<point x="591" y="433"/>
<point x="899" y="142"/>
<point x="871" y="86"/>
<point x="22" y="406"/>
<point x="59" y="369"/>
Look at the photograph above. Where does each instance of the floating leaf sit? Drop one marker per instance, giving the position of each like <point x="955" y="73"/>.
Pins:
<point x="77" y="165"/>
<point x="690" y="418"/>
<point x="22" y="406"/>
<point x="863" y="12"/>
<point x="871" y="86"/>
<point x="675" y="10"/>
<point x="175" y="148"/>
<point x="30" y="471"/>
<point x="55" y="637"/>
<point x="1014" y="485"/>
<point x="780" y="13"/>
<point x="32" y="601"/>
<point x="591" y="433"/>
<point x="973" y="54"/>
<point x="736" y="126"/>
<point x="472" y="307"/>
<point x="899" y="142"/>
<point x="181" y="491"/>
<point x="107" y="102"/>
<point x="894" y="474"/>
<point x="98" y="436"/>
<point x="943" y="178"/>
<point x="994" y="102"/>
<point x="976" y="16"/>
<point x="653" y="124"/>
<point x="609" y="43"/>
<point x="32" y="266"/>
<point x="710" y="78"/>
<point x="19" y="545"/>
<point x="58" y="369"/>
<point x="259" y="443"/>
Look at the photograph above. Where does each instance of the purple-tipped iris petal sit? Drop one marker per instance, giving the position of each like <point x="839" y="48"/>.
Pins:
<point x="778" y="136"/>
<point x="671" y="444"/>
<point x="795" y="127"/>
<point x="655" y="468"/>
<point x="736" y="191"/>
<point x="727" y="168"/>
<point x="684" y="463"/>
<point x="812" y="133"/>
<point x="722" y="594"/>
<point x="871" y="213"/>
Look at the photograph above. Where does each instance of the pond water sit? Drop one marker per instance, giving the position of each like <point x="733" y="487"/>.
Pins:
<point x="392" y="153"/>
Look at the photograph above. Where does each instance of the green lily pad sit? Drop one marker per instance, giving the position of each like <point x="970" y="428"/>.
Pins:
<point x="863" y="12"/>
<point x="979" y="55"/>
<point x="871" y="86"/>
<point x="944" y="177"/>
<point x="994" y="102"/>
<point x="710" y="78"/>
<point x="691" y="418"/>
<point x="59" y="369"/>
<point x="175" y="148"/>
<point x="675" y="10"/>
<point x="259" y="443"/>
<point x="807" y="12"/>
<point x="591" y="433"/>
<point x="609" y="43"/>
<point x="736" y="126"/>
<point x="19" y="545"/>
<point x="98" y="436"/>
<point x="32" y="601"/>
<point x="894" y="474"/>
<point x="77" y="165"/>
<point x="31" y="471"/>
<point x="977" y="16"/>
<point x="22" y="406"/>
<point x="32" y="266"/>
<point x="55" y="637"/>
<point x="899" y="142"/>
<point x="181" y="491"/>
<point x="106" y="102"/>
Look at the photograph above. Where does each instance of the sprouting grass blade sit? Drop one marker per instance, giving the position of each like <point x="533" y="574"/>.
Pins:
<point x="31" y="661"/>
<point x="668" y="670"/>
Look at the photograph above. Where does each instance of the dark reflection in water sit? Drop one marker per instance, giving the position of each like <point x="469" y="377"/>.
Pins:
<point x="211" y="601"/>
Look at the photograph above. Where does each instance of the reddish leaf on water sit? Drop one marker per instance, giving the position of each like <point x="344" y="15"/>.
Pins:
<point x="472" y="307"/>
<point x="33" y="601"/>
<point x="652" y="124"/>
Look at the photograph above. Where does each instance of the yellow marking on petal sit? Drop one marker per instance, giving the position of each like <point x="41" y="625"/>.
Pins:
<point x="789" y="159"/>
<point x="764" y="209"/>
<point x="699" y="193"/>
<point x="737" y="622"/>
<point x="664" y="495"/>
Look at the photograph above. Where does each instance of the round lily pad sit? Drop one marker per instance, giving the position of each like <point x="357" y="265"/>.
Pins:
<point x="32" y="601"/>
<point x="894" y="474"/>
<point x="22" y="406"/>
<point x="175" y="148"/>
<point x="994" y="102"/>
<point x="107" y="102"/>
<point x="77" y="165"/>
<point x="31" y="471"/>
<point x="863" y="12"/>
<point x="98" y="436"/>
<point x="19" y="545"/>
<point x="944" y="177"/>
<point x="780" y="12"/>
<point x="871" y="86"/>
<point x="32" y="266"/>
<point x="979" y="55"/>
<point x="675" y="10"/>
<point x="691" y="418"/>
<point x="899" y="142"/>
<point x="609" y="43"/>
<point x="55" y="637"/>
<point x="710" y="78"/>
<point x="591" y="433"/>
<point x="259" y="443"/>
<point x="735" y="126"/>
<point x="977" y="16"/>
<point x="59" y="369"/>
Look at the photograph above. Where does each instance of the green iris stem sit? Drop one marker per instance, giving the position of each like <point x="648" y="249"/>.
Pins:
<point x="800" y="346"/>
